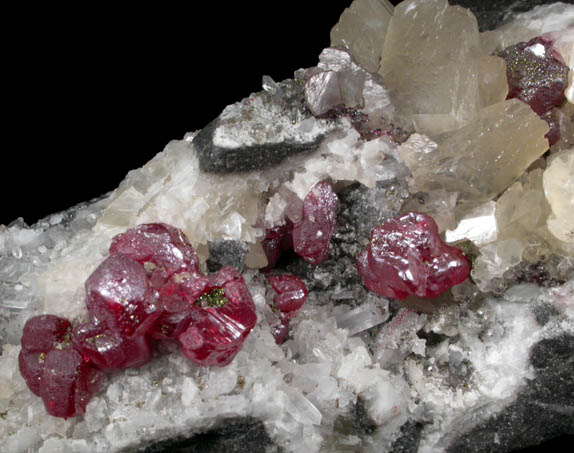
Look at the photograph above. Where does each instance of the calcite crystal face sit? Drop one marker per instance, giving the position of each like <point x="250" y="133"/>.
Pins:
<point x="295" y="276"/>
<point x="426" y="70"/>
<point x="481" y="159"/>
<point x="558" y="183"/>
<point x="362" y="29"/>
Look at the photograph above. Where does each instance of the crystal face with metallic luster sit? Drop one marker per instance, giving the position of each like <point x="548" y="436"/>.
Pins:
<point x="406" y="256"/>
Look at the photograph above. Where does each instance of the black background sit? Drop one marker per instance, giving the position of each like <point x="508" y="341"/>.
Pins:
<point x="91" y="94"/>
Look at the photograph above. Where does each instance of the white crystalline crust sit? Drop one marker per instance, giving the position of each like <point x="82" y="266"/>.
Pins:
<point x="269" y="124"/>
<point x="298" y="402"/>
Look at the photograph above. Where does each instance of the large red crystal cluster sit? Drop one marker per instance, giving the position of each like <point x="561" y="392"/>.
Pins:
<point x="537" y="75"/>
<point x="407" y="256"/>
<point x="149" y="288"/>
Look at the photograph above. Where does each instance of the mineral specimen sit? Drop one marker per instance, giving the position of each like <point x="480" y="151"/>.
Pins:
<point x="53" y="369"/>
<point x="312" y="236"/>
<point x="536" y="74"/>
<point x="406" y="256"/>
<point x="484" y="366"/>
<point x="291" y="293"/>
<point x="361" y="29"/>
<point x="223" y="317"/>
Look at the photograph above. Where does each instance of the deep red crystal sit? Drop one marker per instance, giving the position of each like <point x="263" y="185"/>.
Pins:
<point x="161" y="245"/>
<point x="291" y="292"/>
<point x="41" y="334"/>
<point x="407" y="256"/>
<point x="312" y="236"/>
<point x="217" y="332"/>
<point x="536" y="74"/>
<point x="68" y="383"/>
<point x="108" y="350"/>
<point x="280" y="331"/>
<point x="277" y="240"/>
<point x="119" y="295"/>
<point x="53" y="369"/>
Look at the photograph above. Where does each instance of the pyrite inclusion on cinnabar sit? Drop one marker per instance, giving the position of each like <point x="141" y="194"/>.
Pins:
<point x="407" y="256"/>
<point x="221" y="320"/>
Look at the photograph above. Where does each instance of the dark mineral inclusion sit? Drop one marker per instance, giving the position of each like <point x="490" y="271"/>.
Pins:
<point x="218" y="159"/>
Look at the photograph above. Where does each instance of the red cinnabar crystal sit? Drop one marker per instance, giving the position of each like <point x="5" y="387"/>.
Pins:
<point x="53" y="369"/>
<point x="108" y="350"/>
<point x="407" y="256"/>
<point x="221" y="320"/>
<point x="536" y="74"/>
<point x="119" y="295"/>
<point x="312" y="236"/>
<point x="68" y="383"/>
<point x="41" y="334"/>
<point x="159" y="245"/>
<point x="291" y="292"/>
<point x="277" y="240"/>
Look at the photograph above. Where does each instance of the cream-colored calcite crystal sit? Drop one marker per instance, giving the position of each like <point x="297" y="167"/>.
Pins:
<point x="558" y="183"/>
<point x="361" y="29"/>
<point x="477" y="225"/>
<point x="565" y="119"/>
<point x="522" y="215"/>
<point x="493" y="83"/>
<point x="429" y="61"/>
<point x="481" y="159"/>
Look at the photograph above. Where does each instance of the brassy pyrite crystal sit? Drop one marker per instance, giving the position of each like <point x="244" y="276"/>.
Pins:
<point x="375" y="255"/>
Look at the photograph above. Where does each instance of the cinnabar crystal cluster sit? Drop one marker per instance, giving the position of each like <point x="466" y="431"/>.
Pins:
<point x="537" y="75"/>
<point x="148" y="288"/>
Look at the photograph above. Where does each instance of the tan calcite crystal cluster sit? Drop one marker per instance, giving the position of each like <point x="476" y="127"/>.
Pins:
<point x="476" y="158"/>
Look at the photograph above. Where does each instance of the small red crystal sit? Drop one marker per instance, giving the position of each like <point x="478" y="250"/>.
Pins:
<point x="221" y="322"/>
<point x="312" y="236"/>
<point x="108" y="350"/>
<point x="291" y="292"/>
<point x="277" y="240"/>
<point x="41" y="334"/>
<point x="68" y="383"/>
<point x="280" y="331"/>
<point x="407" y="256"/>
<point x="536" y="74"/>
<point x="53" y="369"/>
<point x="119" y="295"/>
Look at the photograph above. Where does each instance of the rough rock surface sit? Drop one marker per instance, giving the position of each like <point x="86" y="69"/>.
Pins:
<point x="259" y="132"/>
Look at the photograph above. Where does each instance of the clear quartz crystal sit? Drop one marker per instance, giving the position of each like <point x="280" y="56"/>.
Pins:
<point x="371" y="313"/>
